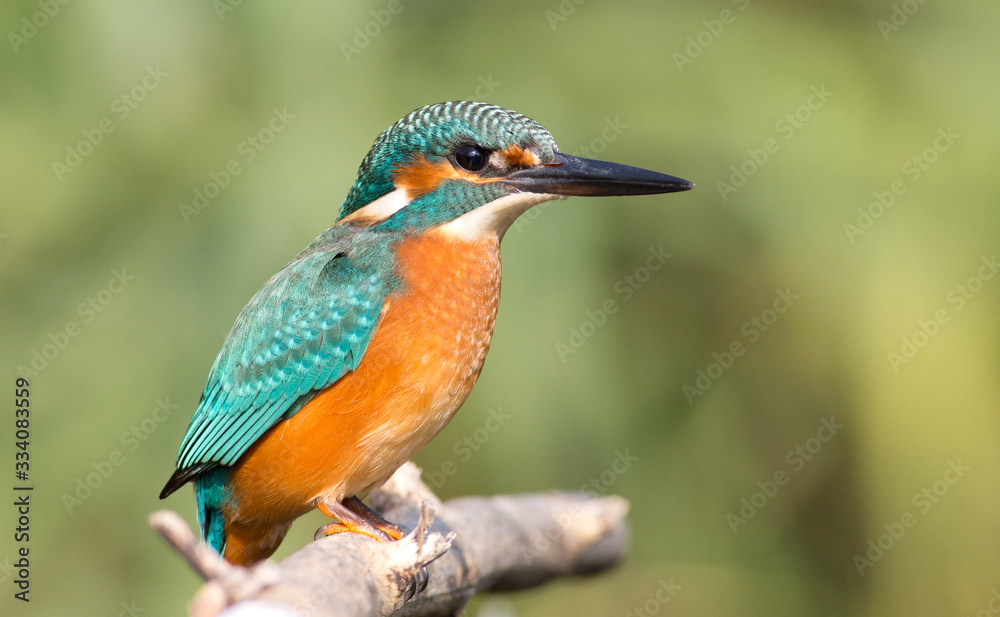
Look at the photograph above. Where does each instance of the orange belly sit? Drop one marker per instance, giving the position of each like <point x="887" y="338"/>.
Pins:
<point x="420" y="366"/>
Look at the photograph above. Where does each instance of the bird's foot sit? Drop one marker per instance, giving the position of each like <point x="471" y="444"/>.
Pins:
<point x="333" y="528"/>
<point x="417" y="584"/>
<point x="393" y="531"/>
<point x="356" y="517"/>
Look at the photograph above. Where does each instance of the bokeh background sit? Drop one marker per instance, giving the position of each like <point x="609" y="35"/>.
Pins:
<point x="840" y="96"/>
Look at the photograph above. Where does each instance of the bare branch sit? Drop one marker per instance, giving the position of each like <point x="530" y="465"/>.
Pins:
<point x="475" y="544"/>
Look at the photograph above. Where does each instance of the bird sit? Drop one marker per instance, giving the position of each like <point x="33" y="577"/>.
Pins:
<point x="361" y="349"/>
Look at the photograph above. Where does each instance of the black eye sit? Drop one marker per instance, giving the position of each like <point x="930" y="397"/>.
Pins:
<point x="472" y="158"/>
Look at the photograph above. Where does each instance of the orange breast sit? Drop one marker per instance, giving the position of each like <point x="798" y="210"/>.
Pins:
<point x="420" y="366"/>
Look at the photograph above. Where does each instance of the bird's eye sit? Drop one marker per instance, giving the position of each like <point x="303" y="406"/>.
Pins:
<point x="471" y="158"/>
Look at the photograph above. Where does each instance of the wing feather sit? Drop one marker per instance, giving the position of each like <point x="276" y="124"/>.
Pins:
<point x="306" y="327"/>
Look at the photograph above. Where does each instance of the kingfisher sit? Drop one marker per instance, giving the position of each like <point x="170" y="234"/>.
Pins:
<point x="359" y="351"/>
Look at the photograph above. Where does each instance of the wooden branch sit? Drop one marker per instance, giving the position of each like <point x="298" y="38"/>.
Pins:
<point x="475" y="544"/>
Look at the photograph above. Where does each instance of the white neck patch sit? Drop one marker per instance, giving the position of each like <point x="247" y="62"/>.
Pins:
<point x="496" y="217"/>
<point x="382" y="208"/>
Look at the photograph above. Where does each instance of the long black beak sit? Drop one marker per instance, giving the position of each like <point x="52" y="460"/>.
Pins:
<point x="572" y="175"/>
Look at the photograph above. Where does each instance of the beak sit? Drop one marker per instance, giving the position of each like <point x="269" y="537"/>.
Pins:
<point x="572" y="175"/>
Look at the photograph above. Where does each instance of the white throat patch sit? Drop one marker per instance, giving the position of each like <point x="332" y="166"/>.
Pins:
<point x="494" y="218"/>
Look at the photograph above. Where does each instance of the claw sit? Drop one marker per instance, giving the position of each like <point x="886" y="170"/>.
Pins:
<point x="417" y="584"/>
<point x="422" y="578"/>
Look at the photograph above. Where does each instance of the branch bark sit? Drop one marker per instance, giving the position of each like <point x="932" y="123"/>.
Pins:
<point x="474" y="544"/>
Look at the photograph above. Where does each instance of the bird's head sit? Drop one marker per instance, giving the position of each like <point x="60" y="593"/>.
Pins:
<point x="479" y="167"/>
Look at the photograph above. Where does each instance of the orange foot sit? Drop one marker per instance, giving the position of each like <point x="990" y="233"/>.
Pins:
<point x="356" y="517"/>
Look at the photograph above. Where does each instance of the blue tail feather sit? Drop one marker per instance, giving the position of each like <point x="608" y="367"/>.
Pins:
<point x="212" y="492"/>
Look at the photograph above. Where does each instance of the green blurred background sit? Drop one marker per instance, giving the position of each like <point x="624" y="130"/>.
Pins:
<point x="682" y="87"/>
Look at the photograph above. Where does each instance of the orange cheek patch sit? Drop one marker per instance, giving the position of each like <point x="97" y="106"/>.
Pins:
<point x="519" y="157"/>
<point x="422" y="176"/>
